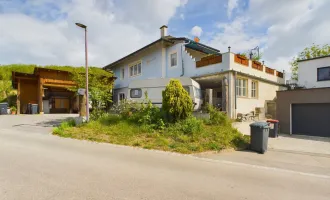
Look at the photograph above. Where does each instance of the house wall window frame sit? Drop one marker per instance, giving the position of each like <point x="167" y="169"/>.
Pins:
<point x="254" y="89"/>
<point x="173" y="59"/>
<point x="325" y="77"/>
<point x="136" y="93"/>
<point x="241" y="87"/>
<point x="122" y="73"/>
<point x="135" y="69"/>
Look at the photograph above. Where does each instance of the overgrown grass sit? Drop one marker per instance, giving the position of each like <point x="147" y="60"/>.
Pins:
<point x="187" y="136"/>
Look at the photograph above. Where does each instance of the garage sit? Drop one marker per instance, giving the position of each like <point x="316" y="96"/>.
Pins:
<point x="304" y="111"/>
<point x="311" y="119"/>
<point x="49" y="89"/>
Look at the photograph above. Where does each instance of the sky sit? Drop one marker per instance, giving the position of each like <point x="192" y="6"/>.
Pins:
<point x="43" y="32"/>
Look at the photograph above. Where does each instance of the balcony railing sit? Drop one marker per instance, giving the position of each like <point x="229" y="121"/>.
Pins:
<point x="257" y="65"/>
<point x="209" y="60"/>
<point x="270" y="70"/>
<point x="241" y="60"/>
<point x="279" y="74"/>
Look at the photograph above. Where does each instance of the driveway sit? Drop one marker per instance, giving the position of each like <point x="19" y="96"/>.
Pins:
<point x="292" y="143"/>
<point x="33" y="123"/>
<point x="37" y="165"/>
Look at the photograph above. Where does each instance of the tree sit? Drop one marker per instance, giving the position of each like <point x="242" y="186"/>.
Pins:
<point x="177" y="103"/>
<point x="309" y="52"/>
<point x="99" y="85"/>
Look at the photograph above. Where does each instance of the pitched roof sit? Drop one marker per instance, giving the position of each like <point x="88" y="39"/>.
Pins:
<point x="170" y="39"/>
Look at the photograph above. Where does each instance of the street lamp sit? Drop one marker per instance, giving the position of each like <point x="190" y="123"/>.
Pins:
<point x="86" y="65"/>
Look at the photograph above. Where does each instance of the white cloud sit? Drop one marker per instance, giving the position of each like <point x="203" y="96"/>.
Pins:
<point x="283" y="28"/>
<point x="115" y="28"/>
<point x="234" y="34"/>
<point x="196" y="31"/>
<point x="182" y="16"/>
<point x="232" y="4"/>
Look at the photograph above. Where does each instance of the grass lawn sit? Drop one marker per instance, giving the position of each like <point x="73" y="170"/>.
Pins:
<point x="117" y="130"/>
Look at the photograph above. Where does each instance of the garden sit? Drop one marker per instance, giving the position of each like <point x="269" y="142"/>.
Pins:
<point x="170" y="128"/>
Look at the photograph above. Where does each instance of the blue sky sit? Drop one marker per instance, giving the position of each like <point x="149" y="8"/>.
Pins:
<point x="43" y="31"/>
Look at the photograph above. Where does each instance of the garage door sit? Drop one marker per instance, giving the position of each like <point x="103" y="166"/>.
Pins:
<point x="311" y="119"/>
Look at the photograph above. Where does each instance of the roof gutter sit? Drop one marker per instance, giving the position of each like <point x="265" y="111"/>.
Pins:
<point x="182" y="62"/>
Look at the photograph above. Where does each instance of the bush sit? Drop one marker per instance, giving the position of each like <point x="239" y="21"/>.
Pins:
<point x="190" y="126"/>
<point x="97" y="114"/>
<point x="145" y="113"/>
<point x="177" y="103"/>
<point x="217" y="117"/>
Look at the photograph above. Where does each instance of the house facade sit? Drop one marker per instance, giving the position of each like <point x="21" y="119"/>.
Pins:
<point x="305" y="109"/>
<point x="236" y="83"/>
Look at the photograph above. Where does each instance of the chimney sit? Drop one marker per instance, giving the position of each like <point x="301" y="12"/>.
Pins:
<point x="196" y="39"/>
<point x="163" y="31"/>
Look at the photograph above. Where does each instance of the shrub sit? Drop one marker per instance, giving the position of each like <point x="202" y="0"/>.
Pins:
<point x="177" y="103"/>
<point x="217" y="117"/>
<point x="148" y="114"/>
<point x="97" y="114"/>
<point x="190" y="126"/>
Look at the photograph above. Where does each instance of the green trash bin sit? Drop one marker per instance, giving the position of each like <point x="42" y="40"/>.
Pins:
<point x="259" y="136"/>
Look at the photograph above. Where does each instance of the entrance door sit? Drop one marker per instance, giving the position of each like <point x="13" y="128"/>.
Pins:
<point x="311" y="119"/>
<point x="46" y="106"/>
<point x="121" y="96"/>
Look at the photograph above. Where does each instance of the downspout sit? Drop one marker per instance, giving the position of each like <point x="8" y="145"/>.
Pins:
<point x="182" y="62"/>
<point x="235" y="78"/>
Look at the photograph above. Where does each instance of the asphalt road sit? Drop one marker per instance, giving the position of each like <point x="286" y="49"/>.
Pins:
<point x="36" y="165"/>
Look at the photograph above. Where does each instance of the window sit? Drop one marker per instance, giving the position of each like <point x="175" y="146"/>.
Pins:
<point x="136" y="93"/>
<point x="241" y="87"/>
<point x="323" y="74"/>
<point x="187" y="89"/>
<point x="198" y="93"/>
<point x="174" y="59"/>
<point x="254" y="89"/>
<point x="122" y="73"/>
<point x="135" y="69"/>
<point x="121" y="96"/>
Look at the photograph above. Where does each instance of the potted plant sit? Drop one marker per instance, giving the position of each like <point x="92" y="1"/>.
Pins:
<point x="13" y="110"/>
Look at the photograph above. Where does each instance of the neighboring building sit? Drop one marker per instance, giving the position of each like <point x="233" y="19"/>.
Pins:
<point x="46" y="87"/>
<point x="238" y="84"/>
<point x="306" y="111"/>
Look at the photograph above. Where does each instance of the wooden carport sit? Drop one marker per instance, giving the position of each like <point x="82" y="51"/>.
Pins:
<point x="30" y="87"/>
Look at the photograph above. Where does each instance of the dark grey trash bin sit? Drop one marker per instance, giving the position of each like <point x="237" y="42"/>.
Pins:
<point x="259" y="136"/>
<point x="3" y="108"/>
<point x="34" y="109"/>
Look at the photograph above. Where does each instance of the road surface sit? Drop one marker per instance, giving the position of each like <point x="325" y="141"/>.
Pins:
<point x="36" y="165"/>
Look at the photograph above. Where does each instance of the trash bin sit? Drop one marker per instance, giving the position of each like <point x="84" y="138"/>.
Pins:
<point x="273" y="128"/>
<point x="259" y="136"/>
<point x="34" y="109"/>
<point x="3" y="108"/>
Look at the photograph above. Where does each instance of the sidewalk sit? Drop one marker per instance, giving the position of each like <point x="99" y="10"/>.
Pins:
<point x="274" y="160"/>
<point x="292" y="143"/>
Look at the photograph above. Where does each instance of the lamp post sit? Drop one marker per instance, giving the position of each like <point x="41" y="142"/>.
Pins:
<point x="86" y="66"/>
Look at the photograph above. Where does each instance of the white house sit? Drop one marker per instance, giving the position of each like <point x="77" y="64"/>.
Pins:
<point x="314" y="72"/>
<point x="305" y="110"/>
<point x="238" y="84"/>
